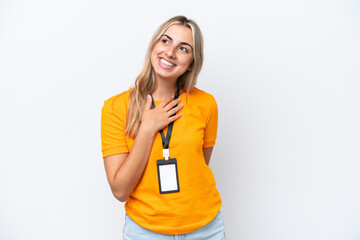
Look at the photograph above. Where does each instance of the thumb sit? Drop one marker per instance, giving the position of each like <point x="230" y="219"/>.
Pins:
<point x="148" y="102"/>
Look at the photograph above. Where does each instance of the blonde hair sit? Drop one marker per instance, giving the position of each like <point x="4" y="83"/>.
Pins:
<point x="145" y="82"/>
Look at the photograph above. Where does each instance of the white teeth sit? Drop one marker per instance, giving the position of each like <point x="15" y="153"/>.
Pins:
<point x="163" y="61"/>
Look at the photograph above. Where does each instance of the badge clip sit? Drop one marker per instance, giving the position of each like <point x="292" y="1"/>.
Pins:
<point x="166" y="154"/>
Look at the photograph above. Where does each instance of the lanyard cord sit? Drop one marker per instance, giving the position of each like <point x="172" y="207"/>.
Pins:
<point x="166" y="140"/>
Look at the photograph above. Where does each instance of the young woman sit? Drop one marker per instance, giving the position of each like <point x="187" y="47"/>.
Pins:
<point x="157" y="140"/>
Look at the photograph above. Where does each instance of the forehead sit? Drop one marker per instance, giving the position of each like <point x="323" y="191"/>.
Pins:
<point x="180" y="33"/>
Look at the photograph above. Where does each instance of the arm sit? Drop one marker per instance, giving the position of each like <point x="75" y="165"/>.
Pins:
<point x="210" y="131"/>
<point x="125" y="170"/>
<point x="207" y="154"/>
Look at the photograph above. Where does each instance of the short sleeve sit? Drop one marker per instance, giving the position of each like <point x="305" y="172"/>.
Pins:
<point x="113" y="119"/>
<point x="210" y="132"/>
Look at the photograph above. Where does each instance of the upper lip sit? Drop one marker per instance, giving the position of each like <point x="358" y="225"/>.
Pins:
<point x="168" y="61"/>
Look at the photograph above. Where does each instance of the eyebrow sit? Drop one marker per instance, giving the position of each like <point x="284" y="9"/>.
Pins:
<point x="183" y="43"/>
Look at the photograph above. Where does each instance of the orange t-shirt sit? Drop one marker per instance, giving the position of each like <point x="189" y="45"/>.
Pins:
<point x="198" y="201"/>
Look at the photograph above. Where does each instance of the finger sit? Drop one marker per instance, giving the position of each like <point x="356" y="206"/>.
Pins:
<point x="172" y="104"/>
<point x="174" y="118"/>
<point x="165" y="101"/>
<point x="148" y="102"/>
<point x="175" y="109"/>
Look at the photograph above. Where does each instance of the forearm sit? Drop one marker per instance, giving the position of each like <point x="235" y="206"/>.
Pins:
<point x="207" y="154"/>
<point x="129" y="173"/>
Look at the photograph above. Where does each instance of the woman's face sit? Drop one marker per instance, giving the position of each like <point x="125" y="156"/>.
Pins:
<point x="173" y="53"/>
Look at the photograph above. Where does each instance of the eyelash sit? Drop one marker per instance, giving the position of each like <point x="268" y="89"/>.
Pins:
<point x="184" y="49"/>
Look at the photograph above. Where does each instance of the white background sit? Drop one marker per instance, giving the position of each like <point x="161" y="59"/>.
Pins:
<point x="286" y="78"/>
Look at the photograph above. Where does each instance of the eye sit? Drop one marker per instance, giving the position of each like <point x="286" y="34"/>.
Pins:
<point x="165" y="41"/>
<point x="184" y="49"/>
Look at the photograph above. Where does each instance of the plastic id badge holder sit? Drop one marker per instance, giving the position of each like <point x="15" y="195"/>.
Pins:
<point x="168" y="175"/>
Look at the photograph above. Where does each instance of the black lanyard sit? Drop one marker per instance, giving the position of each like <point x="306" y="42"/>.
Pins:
<point x="166" y="140"/>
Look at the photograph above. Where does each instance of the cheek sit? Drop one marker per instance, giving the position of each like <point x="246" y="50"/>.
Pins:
<point x="152" y="59"/>
<point x="187" y="61"/>
<point x="158" y="48"/>
<point x="154" y="54"/>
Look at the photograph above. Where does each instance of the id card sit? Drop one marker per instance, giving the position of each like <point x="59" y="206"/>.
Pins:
<point x="168" y="176"/>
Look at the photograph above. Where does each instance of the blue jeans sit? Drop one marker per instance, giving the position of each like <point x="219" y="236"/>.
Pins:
<point x="211" y="231"/>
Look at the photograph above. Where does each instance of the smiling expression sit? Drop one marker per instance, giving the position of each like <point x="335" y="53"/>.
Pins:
<point x="173" y="53"/>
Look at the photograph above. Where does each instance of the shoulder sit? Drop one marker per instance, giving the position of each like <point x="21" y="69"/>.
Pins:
<point x="118" y="103"/>
<point x="120" y="99"/>
<point x="202" y="96"/>
<point x="203" y="101"/>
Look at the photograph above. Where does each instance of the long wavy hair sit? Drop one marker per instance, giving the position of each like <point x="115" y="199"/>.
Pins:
<point x="145" y="82"/>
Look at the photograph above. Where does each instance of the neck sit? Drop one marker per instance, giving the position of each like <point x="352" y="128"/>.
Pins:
<point x="164" y="89"/>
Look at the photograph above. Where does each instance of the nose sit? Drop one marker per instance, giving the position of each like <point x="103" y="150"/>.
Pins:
<point x="170" y="52"/>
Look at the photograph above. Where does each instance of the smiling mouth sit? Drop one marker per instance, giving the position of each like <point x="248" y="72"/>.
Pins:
<point x="166" y="64"/>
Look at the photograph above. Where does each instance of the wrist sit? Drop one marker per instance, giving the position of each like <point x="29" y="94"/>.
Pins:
<point x="143" y="130"/>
